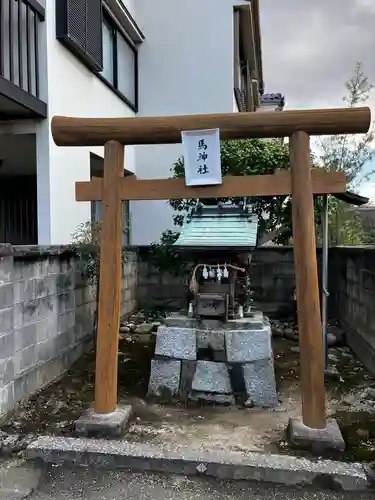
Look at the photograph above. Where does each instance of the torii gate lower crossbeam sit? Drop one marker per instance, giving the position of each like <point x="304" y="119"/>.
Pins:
<point x="302" y="183"/>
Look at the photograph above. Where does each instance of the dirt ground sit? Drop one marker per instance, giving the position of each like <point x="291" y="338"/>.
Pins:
<point x="350" y="399"/>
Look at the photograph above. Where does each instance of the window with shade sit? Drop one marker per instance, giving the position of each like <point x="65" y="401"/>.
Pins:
<point x="94" y="35"/>
<point x="97" y="171"/>
<point x="96" y="216"/>
<point x="119" y="61"/>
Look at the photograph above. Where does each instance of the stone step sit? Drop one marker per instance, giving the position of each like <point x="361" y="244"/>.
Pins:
<point x="251" y="466"/>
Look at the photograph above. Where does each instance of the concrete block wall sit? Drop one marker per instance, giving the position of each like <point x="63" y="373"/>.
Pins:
<point x="129" y="283"/>
<point x="272" y="275"/>
<point x="158" y="289"/>
<point x="351" y="286"/>
<point x="46" y="316"/>
<point x="272" y="278"/>
<point x="352" y="295"/>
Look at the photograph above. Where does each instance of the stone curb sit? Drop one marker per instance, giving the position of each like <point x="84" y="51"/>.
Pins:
<point x="252" y="466"/>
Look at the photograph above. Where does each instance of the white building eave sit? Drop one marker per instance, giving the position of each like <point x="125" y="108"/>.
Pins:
<point x="125" y="19"/>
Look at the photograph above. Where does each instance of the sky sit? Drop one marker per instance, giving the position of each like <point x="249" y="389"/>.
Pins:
<point x="310" y="48"/>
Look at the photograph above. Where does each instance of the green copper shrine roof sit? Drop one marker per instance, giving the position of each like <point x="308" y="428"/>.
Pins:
<point x="214" y="227"/>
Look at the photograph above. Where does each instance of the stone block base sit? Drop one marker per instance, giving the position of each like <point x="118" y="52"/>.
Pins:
<point x="316" y="440"/>
<point x="225" y="399"/>
<point x="214" y="361"/>
<point x="103" y="425"/>
<point x="260" y="383"/>
<point x="211" y="377"/>
<point x="165" y="378"/>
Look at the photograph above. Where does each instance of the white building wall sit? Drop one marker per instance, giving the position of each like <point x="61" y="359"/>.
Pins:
<point x="131" y="6"/>
<point x="185" y="67"/>
<point x="72" y="91"/>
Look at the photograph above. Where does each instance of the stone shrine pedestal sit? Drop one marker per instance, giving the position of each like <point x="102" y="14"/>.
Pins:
<point x="217" y="362"/>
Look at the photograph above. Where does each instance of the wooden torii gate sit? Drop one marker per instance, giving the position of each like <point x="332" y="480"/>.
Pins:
<point x="301" y="182"/>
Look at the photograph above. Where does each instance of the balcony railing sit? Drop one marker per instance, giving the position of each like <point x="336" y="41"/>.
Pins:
<point x="19" y="57"/>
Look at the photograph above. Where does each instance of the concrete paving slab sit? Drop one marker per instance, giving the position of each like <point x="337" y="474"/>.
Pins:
<point x="61" y="483"/>
<point x="18" y="480"/>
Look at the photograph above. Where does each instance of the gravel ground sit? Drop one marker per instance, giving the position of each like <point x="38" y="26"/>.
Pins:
<point x="64" y="484"/>
<point x="53" y="410"/>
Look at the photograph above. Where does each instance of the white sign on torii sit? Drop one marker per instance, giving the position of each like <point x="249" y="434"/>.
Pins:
<point x="201" y="150"/>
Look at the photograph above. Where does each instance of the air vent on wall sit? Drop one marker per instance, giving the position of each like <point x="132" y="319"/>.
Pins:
<point x="79" y="29"/>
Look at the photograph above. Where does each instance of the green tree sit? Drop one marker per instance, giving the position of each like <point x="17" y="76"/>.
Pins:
<point x="240" y="157"/>
<point x="350" y="154"/>
<point x="246" y="157"/>
<point x="345" y="224"/>
<point x="85" y="242"/>
<point x="86" y="245"/>
<point x="347" y="153"/>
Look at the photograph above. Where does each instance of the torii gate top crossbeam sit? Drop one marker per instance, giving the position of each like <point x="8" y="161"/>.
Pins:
<point x="67" y="131"/>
